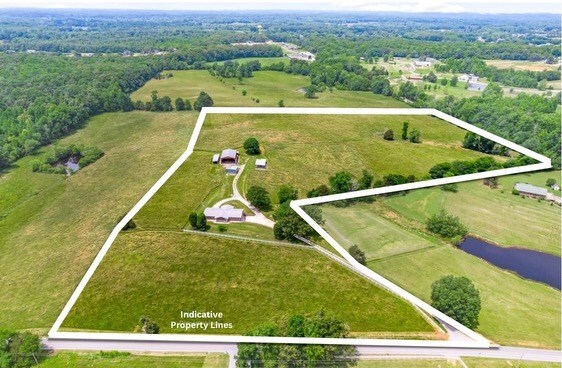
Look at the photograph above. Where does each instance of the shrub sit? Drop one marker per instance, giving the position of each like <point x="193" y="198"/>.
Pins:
<point x="358" y="254"/>
<point x="193" y="220"/>
<point x="453" y="187"/>
<point x="446" y="225"/>
<point x="281" y="103"/>
<point x="222" y="228"/>
<point x="389" y="135"/>
<point x="550" y="182"/>
<point x="415" y="136"/>
<point x="514" y="191"/>
<point x="148" y="326"/>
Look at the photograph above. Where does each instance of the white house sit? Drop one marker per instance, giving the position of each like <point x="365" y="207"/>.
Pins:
<point x="468" y="78"/>
<point x="422" y="64"/>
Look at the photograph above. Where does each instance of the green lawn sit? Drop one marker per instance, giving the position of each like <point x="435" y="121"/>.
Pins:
<point x="125" y="360"/>
<point x="505" y="363"/>
<point x="267" y="86"/>
<point x="51" y="227"/>
<point x="161" y="274"/>
<point x="407" y="363"/>
<point x="494" y="214"/>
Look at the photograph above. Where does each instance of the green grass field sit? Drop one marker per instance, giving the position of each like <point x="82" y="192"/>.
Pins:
<point x="160" y="274"/>
<point x="535" y="66"/>
<point x="51" y="226"/>
<point x="305" y="150"/>
<point x="407" y="363"/>
<point x="494" y="214"/>
<point x="267" y="86"/>
<point x="391" y="232"/>
<point x="124" y="360"/>
<point x="505" y="363"/>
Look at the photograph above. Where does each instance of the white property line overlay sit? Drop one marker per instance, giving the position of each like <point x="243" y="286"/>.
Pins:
<point x="478" y="340"/>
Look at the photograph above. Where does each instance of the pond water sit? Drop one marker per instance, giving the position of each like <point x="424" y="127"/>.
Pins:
<point x="530" y="264"/>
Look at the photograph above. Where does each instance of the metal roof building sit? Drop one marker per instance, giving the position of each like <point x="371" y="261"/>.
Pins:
<point x="224" y="214"/>
<point x="529" y="189"/>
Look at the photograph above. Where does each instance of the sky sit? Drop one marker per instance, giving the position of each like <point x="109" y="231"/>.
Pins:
<point x="444" y="6"/>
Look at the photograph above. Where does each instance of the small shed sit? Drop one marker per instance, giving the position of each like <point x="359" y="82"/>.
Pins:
<point x="261" y="163"/>
<point x="216" y="158"/>
<point x="232" y="169"/>
<point x="555" y="187"/>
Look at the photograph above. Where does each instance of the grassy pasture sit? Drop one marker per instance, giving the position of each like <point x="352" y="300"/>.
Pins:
<point x="52" y="226"/>
<point x="535" y="66"/>
<point x="162" y="273"/>
<point x="506" y="363"/>
<point x="84" y="360"/>
<point x="305" y="150"/>
<point x="494" y="214"/>
<point x="267" y="86"/>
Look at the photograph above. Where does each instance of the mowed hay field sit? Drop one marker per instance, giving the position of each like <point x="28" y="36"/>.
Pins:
<point x="125" y="360"/>
<point x="305" y="150"/>
<point x="267" y="86"/>
<point x="535" y="66"/>
<point x="51" y="226"/>
<point x="160" y="274"/>
<point x="494" y="214"/>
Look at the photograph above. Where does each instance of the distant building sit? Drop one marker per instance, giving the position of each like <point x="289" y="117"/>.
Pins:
<point x="469" y="78"/>
<point x="415" y="77"/>
<point x="555" y="187"/>
<point x="229" y="157"/>
<point x="261" y="163"/>
<point x="224" y="214"/>
<point x="303" y="55"/>
<point x="216" y="158"/>
<point x="232" y="169"/>
<point x="260" y="29"/>
<point x="532" y="191"/>
<point x="422" y="64"/>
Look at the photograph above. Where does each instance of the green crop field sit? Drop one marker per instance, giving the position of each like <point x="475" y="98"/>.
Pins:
<point x="125" y="360"/>
<point x="494" y="214"/>
<point x="160" y="274"/>
<point x="51" y="226"/>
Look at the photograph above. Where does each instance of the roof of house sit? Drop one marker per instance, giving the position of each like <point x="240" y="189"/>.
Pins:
<point x="261" y="162"/>
<point x="531" y="189"/>
<point x="232" y="168"/>
<point x="225" y="213"/>
<point x="216" y="157"/>
<point x="229" y="153"/>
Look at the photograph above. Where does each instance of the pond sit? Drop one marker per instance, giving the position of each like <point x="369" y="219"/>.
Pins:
<point x="530" y="264"/>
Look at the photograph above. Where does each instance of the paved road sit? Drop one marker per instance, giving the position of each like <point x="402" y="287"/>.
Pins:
<point x="506" y="352"/>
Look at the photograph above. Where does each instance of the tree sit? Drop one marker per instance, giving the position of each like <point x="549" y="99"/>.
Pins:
<point x="415" y="136"/>
<point x="341" y="182"/>
<point x="281" y="103"/>
<point x="299" y="355"/>
<point x="286" y="193"/>
<point x="550" y="182"/>
<point x="244" y="92"/>
<point x="203" y="100"/>
<point x="148" y="326"/>
<point x="443" y="81"/>
<point x="454" y="81"/>
<point x="358" y="254"/>
<point x="252" y="146"/>
<point x="180" y="104"/>
<point x="389" y="135"/>
<point x="366" y="180"/>
<point x="448" y="226"/>
<point x="289" y="224"/>
<point x="193" y="220"/>
<point x="310" y="92"/>
<point x="259" y="197"/>
<point x="201" y="222"/>
<point x="319" y="191"/>
<point x="405" y="126"/>
<point x="19" y="349"/>
<point x="431" y="77"/>
<point x="188" y="105"/>
<point x="458" y="298"/>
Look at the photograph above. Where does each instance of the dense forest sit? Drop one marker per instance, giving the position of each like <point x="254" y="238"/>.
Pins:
<point x="48" y="88"/>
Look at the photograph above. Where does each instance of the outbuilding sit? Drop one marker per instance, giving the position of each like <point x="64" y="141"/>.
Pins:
<point x="232" y="169"/>
<point x="216" y="158"/>
<point x="261" y="163"/>
<point x="532" y="191"/>
<point x="229" y="156"/>
<point x="224" y="214"/>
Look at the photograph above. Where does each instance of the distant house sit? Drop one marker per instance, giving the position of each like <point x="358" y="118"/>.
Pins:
<point x="229" y="157"/>
<point x="532" y="191"/>
<point x="261" y="163"/>
<point x="422" y="64"/>
<point x="415" y="77"/>
<point x="232" y="169"/>
<point x="224" y="214"/>
<point x="555" y="187"/>
<point x="216" y="158"/>
<point x="468" y="78"/>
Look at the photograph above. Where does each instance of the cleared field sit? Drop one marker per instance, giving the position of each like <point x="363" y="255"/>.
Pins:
<point x="505" y="363"/>
<point x="494" y="214"/>
<point x="267" y="86"/>
<point x="535" y="66"/>
<point x="407" y="363"/>
<point x="378" y="237"/>
<point x="103" y="360"/>
<point x="161" y="274"/>
<point x="263" y="61"/>
<point x="52" y="226"/>
<point x="305" y="150"/>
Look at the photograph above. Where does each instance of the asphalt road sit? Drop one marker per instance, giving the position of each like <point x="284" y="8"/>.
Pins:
<point x="511" y="353"/>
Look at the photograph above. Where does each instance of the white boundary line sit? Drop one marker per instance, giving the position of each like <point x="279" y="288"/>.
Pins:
<point x="478" y="340"/>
